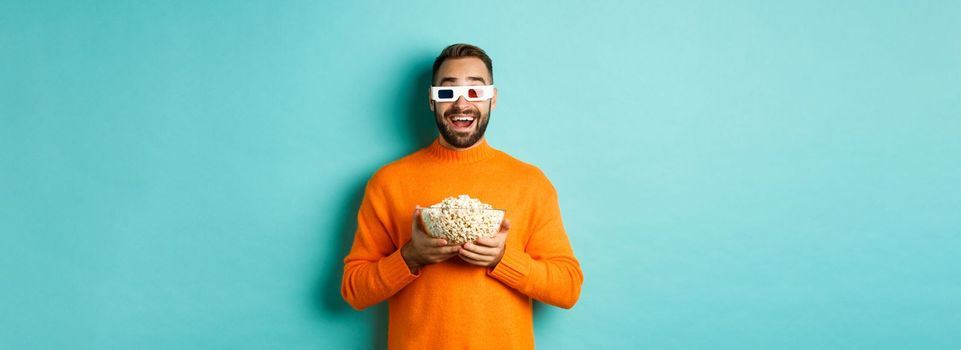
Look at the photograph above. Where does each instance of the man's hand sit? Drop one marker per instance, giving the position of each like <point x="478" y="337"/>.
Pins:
<point x="487" y="251"/>
<point x="423" y="249"/>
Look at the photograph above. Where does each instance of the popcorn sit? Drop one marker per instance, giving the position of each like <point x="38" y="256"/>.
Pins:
<point x="462" y="219"/>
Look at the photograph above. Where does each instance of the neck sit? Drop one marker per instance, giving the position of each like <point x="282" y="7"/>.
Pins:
<point x="451" y="147"/>
<point x="453" y="155"/>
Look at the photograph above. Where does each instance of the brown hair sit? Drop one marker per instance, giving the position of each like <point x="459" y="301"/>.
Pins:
<point x="460" y="51"/>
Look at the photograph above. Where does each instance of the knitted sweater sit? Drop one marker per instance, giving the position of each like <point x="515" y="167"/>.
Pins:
<point x="452" y="304"/>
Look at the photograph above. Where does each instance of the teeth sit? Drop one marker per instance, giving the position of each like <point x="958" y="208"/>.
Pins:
<point x="459" y="119"/>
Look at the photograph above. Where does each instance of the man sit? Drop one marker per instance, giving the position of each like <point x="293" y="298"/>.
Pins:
<point x="476" y="295"/>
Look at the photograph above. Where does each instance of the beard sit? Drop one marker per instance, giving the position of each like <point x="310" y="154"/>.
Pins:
<point x="461" y="139"/>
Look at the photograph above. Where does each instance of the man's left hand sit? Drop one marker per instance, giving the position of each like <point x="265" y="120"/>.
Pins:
<point x="487" y="251"/>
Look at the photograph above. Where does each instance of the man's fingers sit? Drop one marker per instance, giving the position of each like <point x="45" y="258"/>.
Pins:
<point x="436" y="258"/>
<point x="431" y="240"/>
<point x="495" y="242"/>
<point x="505" y="225"/>
<point x="419" y="220"/>
<point x="486" y="242"/>
<point x="472" y="257"/>
<point x="480" y="250"/>
<point x="415" y="220"/>
<point x="450" y="249"/>
<point x="472" y="261"/>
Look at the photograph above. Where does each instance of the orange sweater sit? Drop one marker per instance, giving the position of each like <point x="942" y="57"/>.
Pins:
<point x="452" y="304"/>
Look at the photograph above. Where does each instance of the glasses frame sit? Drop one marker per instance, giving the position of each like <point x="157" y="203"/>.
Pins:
<point x="458" y="91"/>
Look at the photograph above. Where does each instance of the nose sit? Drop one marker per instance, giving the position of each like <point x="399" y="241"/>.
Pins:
<point x="461" y="102"/>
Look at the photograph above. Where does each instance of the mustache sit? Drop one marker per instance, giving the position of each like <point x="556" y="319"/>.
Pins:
<point x="455" y="110"/>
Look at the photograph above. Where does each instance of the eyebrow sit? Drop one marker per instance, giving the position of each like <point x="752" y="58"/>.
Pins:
<point x="452" y="80"/>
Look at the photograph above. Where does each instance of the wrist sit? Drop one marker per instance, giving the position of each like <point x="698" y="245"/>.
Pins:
<point x="412" y="263"/>
<point x="496" y="261"/>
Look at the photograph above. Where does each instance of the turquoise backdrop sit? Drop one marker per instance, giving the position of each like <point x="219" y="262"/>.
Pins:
<point x="732" y="174"/>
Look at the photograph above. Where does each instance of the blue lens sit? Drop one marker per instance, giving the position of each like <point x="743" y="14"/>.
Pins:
<point x="446" y="93"/>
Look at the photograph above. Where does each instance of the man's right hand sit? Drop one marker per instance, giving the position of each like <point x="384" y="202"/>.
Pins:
<point x="423" y="249"/>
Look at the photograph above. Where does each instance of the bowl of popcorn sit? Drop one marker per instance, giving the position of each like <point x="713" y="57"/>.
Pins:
<point x="461" y="219"/>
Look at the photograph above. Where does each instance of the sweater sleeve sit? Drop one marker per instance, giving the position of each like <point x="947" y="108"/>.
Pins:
<point x="374" y="270"/>
<point x="545" y="269"/>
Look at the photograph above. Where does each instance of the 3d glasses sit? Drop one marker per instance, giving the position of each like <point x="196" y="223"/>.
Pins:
<point x="470" y="93"/>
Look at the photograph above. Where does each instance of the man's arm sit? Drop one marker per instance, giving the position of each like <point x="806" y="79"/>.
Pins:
<point x="546" y="268"/>
<point x="374" y="270"/>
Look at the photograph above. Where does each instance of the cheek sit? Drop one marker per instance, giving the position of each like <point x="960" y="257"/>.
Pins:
<point x="439" y="109"/>
<point x="482" y="107"/>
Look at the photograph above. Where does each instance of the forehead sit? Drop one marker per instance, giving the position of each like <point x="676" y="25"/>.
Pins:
<point x="462" y="69"/>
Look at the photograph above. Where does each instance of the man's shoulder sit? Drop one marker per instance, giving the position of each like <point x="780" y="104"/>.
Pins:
<point x="526" y="172"/>
<point x="398" y="168"/>
<point x="520" y="166"/>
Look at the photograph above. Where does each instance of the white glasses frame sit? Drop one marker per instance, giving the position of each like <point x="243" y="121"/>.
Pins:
<point x="486" y="92"/>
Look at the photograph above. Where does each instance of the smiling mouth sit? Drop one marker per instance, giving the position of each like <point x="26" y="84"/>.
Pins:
<point x="462" y="121"/>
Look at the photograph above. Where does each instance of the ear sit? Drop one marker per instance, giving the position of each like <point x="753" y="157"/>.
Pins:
<point x="430" y="102"/>
<point x="494" y="99"/>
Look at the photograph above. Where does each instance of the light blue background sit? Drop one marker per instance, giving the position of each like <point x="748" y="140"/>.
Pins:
<point x="732" y="174"/>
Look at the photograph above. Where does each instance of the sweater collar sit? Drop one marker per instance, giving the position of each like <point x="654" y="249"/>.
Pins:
<point x="480" y="152"/>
